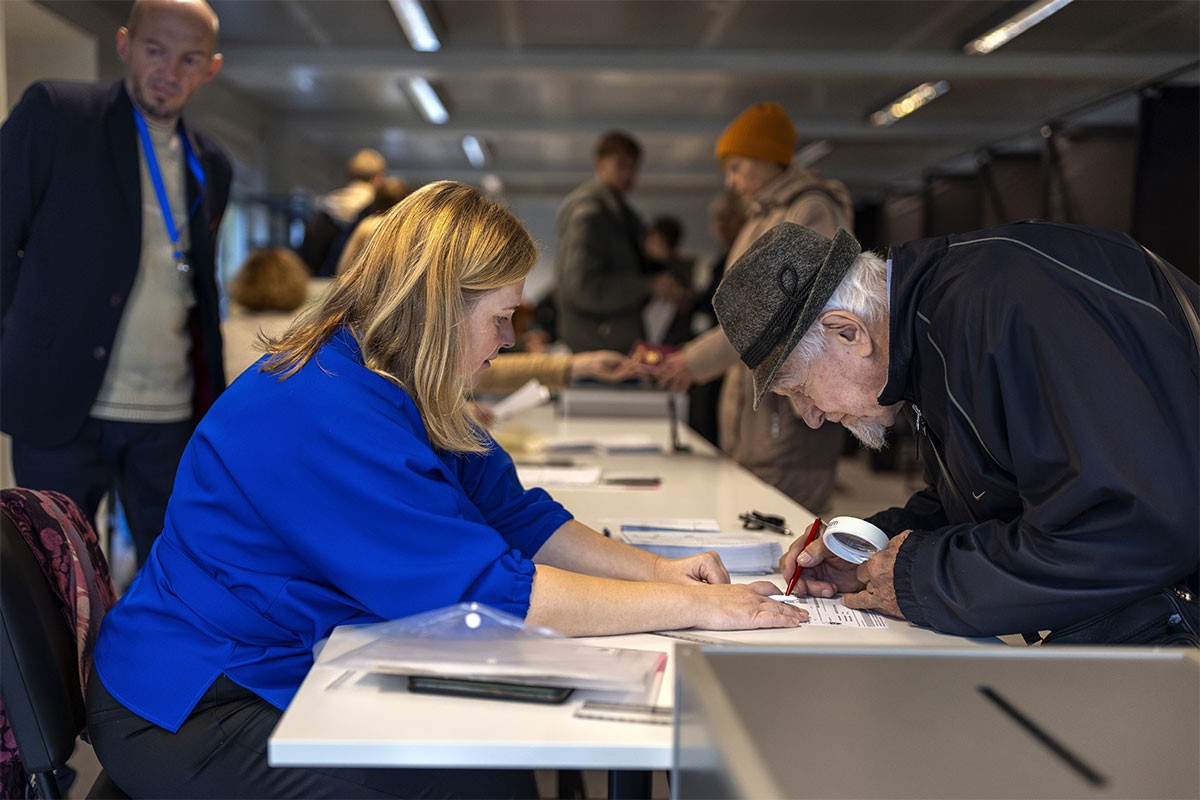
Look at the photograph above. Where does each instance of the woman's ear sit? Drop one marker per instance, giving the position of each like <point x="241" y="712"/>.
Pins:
<point x="848" y="330"/>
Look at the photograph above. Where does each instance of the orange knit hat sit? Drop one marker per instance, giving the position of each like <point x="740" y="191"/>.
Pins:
<point x="761" y="131"/>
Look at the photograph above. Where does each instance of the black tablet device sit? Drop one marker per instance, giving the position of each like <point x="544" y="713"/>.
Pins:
<point x="492" y="690"/>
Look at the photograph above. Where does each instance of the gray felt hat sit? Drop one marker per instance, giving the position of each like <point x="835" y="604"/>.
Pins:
<point x="775" y="292"/>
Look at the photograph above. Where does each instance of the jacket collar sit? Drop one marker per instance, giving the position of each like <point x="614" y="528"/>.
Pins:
<point x="913" y="265"/>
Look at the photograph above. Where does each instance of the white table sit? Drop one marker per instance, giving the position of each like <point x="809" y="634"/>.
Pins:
<point x="369" y="721"/>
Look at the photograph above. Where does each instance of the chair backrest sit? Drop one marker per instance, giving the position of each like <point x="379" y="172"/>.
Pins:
<point x="39" y="670"/>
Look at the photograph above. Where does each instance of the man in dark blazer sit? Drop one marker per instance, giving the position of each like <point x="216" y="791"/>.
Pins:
<point x="110" y="344"/>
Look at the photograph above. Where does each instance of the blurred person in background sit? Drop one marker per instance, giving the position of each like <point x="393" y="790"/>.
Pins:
<point x="602" y="276"/>
<point x="337" y="212"/>
<point x="669" y="321"/>
<point x="390" y="191"/>
<point x="265" y="295"/>
<point x="755" y="154"/>
<point x="725" y="218"/>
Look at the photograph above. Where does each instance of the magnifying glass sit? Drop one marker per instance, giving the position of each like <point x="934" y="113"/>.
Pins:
<point x="853" y="539"/>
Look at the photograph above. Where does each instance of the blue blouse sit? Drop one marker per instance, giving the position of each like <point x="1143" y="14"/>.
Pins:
<point x="304" y="504"/>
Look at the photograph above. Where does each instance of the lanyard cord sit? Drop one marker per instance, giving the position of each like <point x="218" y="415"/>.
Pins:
<point x="160" y="189"/>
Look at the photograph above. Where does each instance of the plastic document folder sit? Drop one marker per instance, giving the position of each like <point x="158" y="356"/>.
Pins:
<point x="474" y="642"/>
<point x="739" y="552"/>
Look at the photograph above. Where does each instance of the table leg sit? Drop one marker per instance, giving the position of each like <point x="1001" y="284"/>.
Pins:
<point x="629" y="784"/>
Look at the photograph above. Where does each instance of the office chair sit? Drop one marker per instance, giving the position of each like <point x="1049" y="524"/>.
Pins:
<point x="39" y="666"/>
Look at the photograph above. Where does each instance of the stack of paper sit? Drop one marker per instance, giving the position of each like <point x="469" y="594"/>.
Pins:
<point x="534" y="475"/>
<point x="531" y="395"/>
<point x="627" y="444"/>
<point x="686" y="524"/>
<point x="740" y="552"/>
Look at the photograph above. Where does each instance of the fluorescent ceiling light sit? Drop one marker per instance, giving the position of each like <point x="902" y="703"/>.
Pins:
<point x="416" y="25"/>
<point x="474" y="150"/>
<point x="428" y="101"/>
<point x="492" y="184"/>
<point x="909" y="102"/>
<point x="1013" y="27"/>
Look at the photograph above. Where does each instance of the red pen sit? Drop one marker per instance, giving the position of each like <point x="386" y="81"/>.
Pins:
<point x="812" y="534"/>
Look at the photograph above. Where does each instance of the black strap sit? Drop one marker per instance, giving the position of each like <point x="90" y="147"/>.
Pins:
<point x="1189" y="313"/>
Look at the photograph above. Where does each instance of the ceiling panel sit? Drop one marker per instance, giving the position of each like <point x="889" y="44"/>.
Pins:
<point x="538" y="80"/>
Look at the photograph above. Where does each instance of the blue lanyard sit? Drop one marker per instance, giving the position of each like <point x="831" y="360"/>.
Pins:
<point x="160" y="189"/>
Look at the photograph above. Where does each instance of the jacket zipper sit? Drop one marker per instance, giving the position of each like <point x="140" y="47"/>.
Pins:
<point x="922" y="429"/>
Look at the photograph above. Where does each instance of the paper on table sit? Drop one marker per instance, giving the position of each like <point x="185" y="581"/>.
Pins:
<point x="531" y="475"/>
<point x="830" y="611"/>
<point x="628" y="443"/>
<point x="687" y="524"/>
<point x="740" y="552"/>
<point x="531" y="395"/>
<point x="616" y="444"/>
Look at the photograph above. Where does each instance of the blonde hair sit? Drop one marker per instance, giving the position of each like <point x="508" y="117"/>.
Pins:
<point x="271" y="279"/>
<point x="405" y="298"/>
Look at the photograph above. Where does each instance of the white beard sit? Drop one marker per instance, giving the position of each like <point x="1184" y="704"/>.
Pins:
<point x="872" y="435"/>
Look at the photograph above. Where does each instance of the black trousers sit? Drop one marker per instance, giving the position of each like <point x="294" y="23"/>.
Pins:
<point x="220" y="751"/>
<point x="135" y="458"/>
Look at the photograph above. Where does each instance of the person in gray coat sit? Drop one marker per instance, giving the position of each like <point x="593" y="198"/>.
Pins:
<point x="603" y="278"/>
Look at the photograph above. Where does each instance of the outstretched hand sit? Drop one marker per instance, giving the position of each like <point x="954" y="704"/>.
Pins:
<point x="741" y="606"/>
<point x="605" y="365"/>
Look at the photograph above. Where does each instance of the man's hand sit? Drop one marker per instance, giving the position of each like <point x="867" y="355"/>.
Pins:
<point x="877" y="576"/>
<point x="673" y="373"/>
<point x="824" y="573"/>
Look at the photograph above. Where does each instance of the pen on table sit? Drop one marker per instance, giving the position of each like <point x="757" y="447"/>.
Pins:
<point x="812" y="534"/>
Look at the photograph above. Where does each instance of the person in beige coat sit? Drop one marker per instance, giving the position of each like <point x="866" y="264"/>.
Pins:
<point x="755" y="153"/>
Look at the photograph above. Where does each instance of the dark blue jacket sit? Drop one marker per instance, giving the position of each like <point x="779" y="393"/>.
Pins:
<point x="70" y="243"/>
<point x="1055" y="378"/>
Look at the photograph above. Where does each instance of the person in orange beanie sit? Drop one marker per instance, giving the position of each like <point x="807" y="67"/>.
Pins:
<point x="755" y="154"/>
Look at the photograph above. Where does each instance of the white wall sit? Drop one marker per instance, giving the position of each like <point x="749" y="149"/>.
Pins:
<point x="39" y="44"/>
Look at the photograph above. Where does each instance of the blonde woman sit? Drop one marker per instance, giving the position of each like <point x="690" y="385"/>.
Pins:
<point x="343" y="481"/>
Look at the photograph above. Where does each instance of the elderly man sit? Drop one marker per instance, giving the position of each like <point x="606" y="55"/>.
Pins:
<point x="1051" y="371"/>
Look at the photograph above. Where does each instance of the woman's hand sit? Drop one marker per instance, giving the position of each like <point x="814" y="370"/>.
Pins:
<point x="700" y="568"/>
<point x="740" y="606"/>
<point x="605" y="365"/>
<point x="824" y="573"/>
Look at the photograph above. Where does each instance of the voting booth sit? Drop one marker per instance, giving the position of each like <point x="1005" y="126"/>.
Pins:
<point x="936" y="723"/>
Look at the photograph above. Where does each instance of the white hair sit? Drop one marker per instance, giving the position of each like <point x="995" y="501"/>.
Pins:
<point x="863" y="292"/>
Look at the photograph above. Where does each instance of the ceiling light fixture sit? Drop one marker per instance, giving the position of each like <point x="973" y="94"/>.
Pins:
<point x="1013" y="27"/>
<point x="428" y="101"/>
<point x="416" y="25"/>
<point x="474" y="150"/>
<point x="909" y="102"/>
